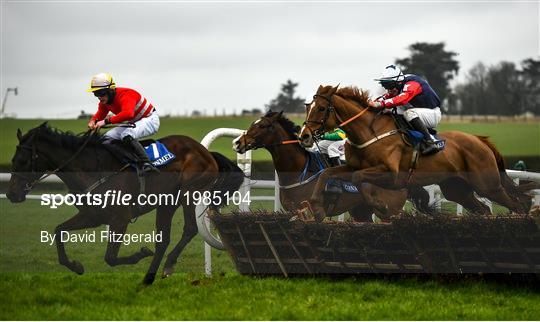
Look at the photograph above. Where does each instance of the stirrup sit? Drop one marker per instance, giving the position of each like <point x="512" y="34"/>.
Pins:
<point x="431" y="148"/>
<point x="148" y="167"/>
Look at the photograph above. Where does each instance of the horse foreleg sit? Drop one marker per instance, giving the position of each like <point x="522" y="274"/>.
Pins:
<point x="379" y="175"/>
<point x="190" y="231"/>
<point x="385" y="202"/>
<point x="316" y="201"/>
<point x="163" y="226"/>
<point x="113" y="247"/>
<point x="362" y="213"/>
<point x="79" y="221"/>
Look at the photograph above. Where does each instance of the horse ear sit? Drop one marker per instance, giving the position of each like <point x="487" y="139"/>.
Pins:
<point x="44" y="124"/>
<point x="319" y="89"/>
<point x="334" y="89"/>
<point x="19" y="135"/>
<point x="280" y="113"/>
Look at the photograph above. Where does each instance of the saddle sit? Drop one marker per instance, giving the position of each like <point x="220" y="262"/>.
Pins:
<point x="156" y="151"/>
<point x="412" y="137"/>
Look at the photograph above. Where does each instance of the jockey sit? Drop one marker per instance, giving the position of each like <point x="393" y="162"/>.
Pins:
<point x="127" y="105"/>
<point x="421" y="103"/>
<point x="332" y="143"/>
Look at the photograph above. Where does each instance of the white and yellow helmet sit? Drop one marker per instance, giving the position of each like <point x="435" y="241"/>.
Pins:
<point x="101" y="81"/>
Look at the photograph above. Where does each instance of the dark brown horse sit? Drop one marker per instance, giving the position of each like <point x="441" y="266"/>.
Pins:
<point x="279" y="136"/>
<point x="82" y="161"/>
<point x="377" y="154"/>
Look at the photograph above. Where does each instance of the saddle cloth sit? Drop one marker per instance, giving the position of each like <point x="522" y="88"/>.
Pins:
<point x="158" y="154"/>
<point x="156" y="151"/>
<point x="342" y="185"/>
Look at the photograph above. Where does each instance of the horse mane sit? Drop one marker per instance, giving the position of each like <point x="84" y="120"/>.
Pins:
<point x="289" y="126"/>
<point x="66" y="139"/>
<point x="360" y="96"/>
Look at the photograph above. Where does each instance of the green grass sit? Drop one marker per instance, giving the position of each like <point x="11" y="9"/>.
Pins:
<point x="520" y="139"/>
<point x="34" y="286"/>
<point x="108" y="296"/>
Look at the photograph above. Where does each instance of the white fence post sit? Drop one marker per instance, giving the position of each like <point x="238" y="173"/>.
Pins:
<point x="277" y="195"/>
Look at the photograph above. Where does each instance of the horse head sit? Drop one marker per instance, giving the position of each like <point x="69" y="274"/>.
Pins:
<point x="26" y="165"/>
<point x="333" y="108"/>
<point x="265" y="132"/>
<point x="320" y="116"/>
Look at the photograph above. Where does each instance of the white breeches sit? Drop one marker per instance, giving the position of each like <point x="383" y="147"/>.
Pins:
<point x="332" y="148"/>
<point x="144" y="127"/>
<point x="430" y="117"/>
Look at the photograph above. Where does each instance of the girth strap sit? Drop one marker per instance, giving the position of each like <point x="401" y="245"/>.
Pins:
<point x="375" y="139"/>
<point x="303" y="182"/>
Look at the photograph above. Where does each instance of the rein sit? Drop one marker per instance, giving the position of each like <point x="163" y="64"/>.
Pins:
<point x="91" y="133"/>
<point x="332" y="109"/>
<point x="289" y="142"/>
<point x="29" y="186"/>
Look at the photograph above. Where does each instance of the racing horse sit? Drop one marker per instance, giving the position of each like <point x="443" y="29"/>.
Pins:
<point x="377" y="154"/>
<point x="279" y="136"/>
<point x="85" y="165"/>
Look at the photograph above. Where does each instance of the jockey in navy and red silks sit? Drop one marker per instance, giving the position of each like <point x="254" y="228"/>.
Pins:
<point x="416" y="97"/>
<point x="126" y="105"/>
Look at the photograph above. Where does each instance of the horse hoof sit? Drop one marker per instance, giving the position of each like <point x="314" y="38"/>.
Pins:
<point x="146" y="252"/>
<point x="77" y="267"/>
<point x="167" y="271"/>
<point x="149" y="278"/>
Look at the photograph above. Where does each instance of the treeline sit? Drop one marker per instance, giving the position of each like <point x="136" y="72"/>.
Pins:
<point x="500" y="89"/>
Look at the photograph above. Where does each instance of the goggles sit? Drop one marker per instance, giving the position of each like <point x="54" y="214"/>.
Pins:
<point x="389" y="84"/>
<point x="101" y="92"/>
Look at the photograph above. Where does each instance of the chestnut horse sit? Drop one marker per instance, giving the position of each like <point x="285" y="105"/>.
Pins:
<point x="86" y="166"/>
<point x="279" y="136"/>
<point x="377" y="154"/>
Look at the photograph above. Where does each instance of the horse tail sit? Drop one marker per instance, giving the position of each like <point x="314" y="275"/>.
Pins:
<point x="230" y="177"/>
<point x="509" y="185"/>
<point x="420" y="199"/>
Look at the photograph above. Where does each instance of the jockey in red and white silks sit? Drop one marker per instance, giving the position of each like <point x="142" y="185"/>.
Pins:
<point x="126" y="105"/>
<point x="419" y="101"/>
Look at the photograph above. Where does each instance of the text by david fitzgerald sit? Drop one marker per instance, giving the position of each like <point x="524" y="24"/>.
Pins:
<point x="101" y="236"/>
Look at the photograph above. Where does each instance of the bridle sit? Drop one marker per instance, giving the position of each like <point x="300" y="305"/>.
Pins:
<point x="30" y="182"/>
<point x="330" y="109"/>
<point x="257" y="144"/>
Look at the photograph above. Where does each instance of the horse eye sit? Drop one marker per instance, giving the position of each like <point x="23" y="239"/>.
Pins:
<point x="321" y="108"/>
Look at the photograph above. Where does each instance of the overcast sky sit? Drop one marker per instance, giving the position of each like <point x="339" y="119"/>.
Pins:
<point x="229" y="56"/>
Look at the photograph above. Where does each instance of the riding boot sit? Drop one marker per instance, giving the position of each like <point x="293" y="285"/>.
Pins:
<point x="143" y="162"/>
<point x="335" y="161"/>
<point x="431" y="146"/>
